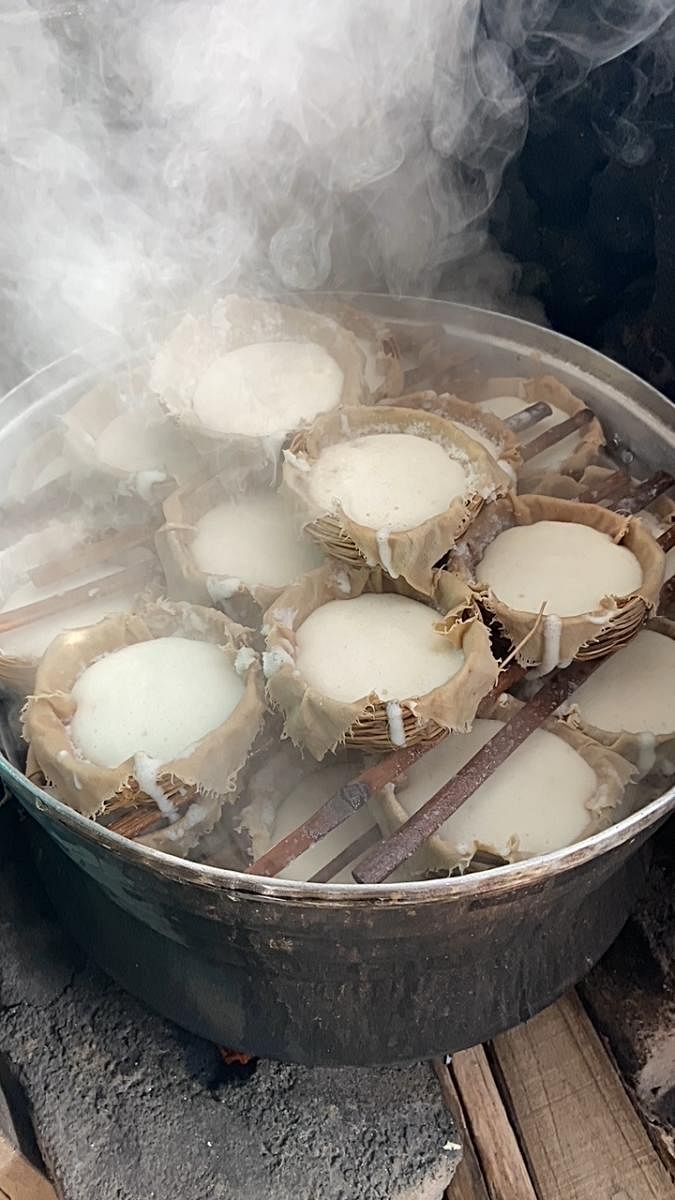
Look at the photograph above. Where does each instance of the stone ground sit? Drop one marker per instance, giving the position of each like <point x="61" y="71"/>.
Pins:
<point x="127" y="1106"/>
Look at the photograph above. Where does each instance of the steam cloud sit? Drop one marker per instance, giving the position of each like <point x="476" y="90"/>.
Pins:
<point x="151" y="148"/>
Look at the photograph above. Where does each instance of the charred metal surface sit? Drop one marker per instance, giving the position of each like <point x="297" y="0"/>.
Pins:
<point x="347" y="982"/>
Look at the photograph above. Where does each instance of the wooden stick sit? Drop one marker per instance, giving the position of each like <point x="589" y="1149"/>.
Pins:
<point x="393" y="852"/>
<point x="139" y="820"/>
<point x="90" y="553"/>
<point x="527" y="417"/>
<point x="135" y="576"/>
<point x="468" y="1182"/>
<point x="557" y="433"/>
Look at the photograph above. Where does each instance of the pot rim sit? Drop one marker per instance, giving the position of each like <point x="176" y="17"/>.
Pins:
<point x="506" y="331"/>
<point x="493" y="881"/>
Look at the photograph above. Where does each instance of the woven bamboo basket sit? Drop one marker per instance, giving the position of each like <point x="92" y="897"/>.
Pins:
<point x="319" y="723"/>
<point x="205" y="775"/>
<point x="589" y="635"/>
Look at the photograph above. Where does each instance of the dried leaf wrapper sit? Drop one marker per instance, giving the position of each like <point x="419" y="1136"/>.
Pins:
<point x="319" y="723"/>
<point x="451" y="408"/>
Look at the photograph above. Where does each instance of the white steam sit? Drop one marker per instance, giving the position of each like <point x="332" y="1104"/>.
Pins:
<point x="154" y="147"/>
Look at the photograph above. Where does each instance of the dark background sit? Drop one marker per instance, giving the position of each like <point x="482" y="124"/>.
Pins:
<point x="588" y="209"/>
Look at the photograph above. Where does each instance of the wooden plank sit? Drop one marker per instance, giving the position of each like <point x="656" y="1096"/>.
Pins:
<point x="504" y="1170"/>
<point x="19" y="1180"/>
<point x="468" y="1182"/>
<point x="582" y="1136"/>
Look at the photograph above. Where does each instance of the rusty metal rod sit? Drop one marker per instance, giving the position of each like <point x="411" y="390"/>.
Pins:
<point x="346" y="801"/>
<point x="643" y="495"/>
<point x="667" y="539"/>
<point x="395" y="850"/>
<point x="557" y="433"/>
<point x="347" y="856"/>
<point x="527" y="417"/>
<point x="354" y="795"/>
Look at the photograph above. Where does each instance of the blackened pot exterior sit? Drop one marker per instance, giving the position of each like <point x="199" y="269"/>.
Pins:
<point x="347" y="981"/>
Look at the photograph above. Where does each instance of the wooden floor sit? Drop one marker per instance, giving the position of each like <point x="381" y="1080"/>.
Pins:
<point x="546" y="1117"/>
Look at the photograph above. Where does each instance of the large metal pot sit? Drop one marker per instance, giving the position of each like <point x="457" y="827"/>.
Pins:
<point x="338" y="974"/>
